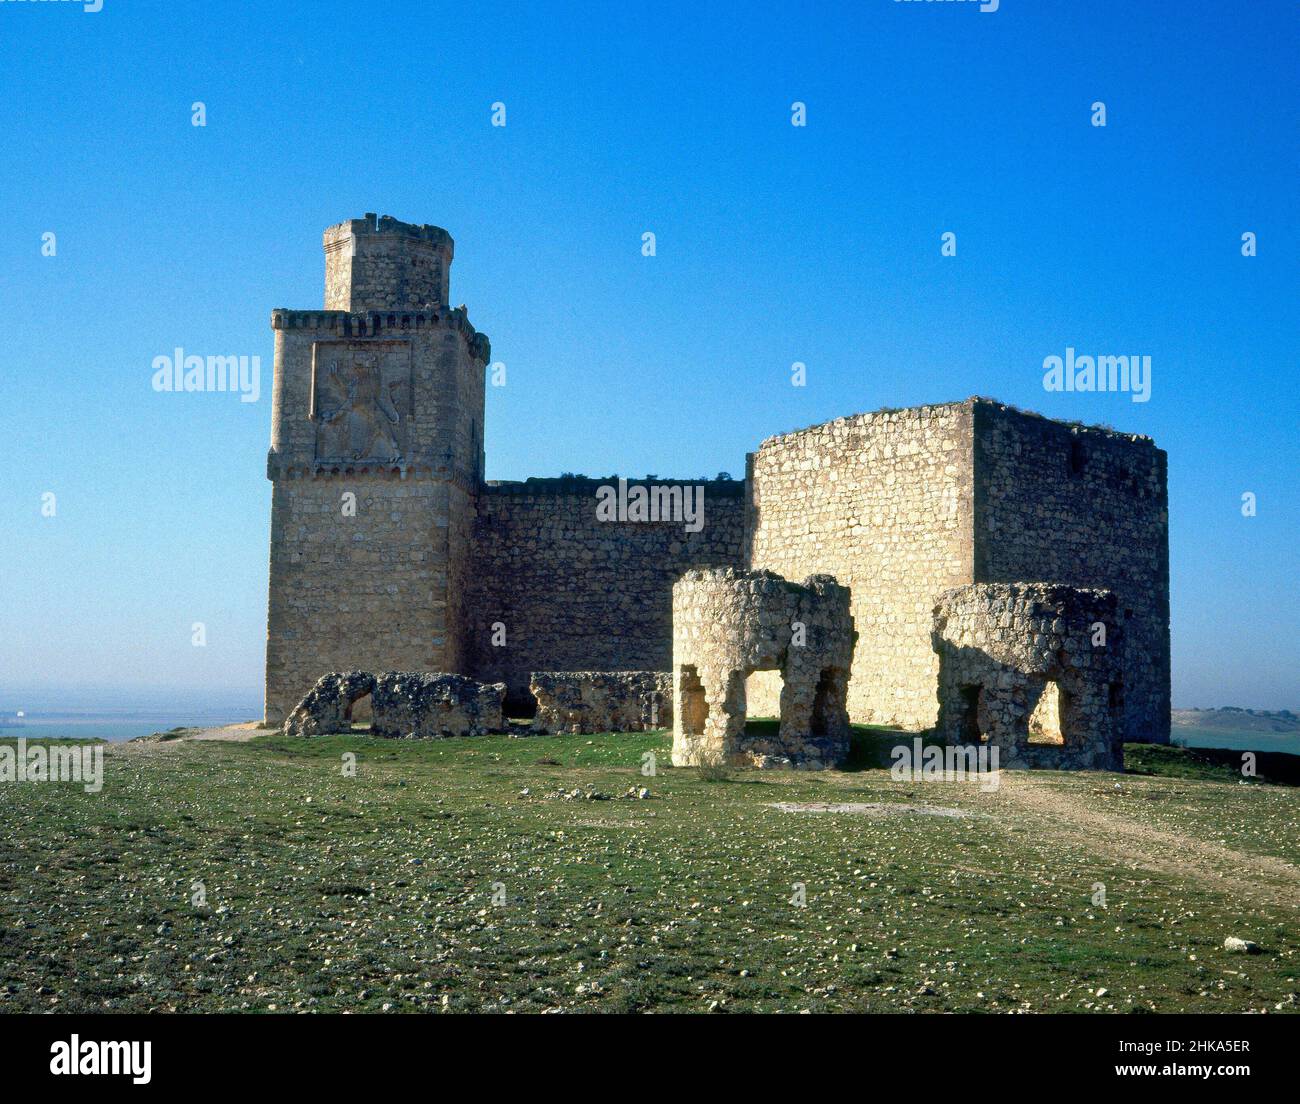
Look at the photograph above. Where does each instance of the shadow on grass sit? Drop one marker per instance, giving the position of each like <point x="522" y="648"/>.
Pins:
<point x="869" y="745"/>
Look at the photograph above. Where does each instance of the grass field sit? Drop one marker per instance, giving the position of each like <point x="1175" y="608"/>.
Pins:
<point x="489" y="874"/>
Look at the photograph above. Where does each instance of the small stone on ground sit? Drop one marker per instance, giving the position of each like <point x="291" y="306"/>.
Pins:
<point x="866" y="808"/>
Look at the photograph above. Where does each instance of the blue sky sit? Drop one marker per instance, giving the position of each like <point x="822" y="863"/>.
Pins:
<point x="775" y="244"/>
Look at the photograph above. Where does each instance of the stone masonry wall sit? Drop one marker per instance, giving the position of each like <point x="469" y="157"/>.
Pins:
<point x="379" y="398"/>
<point x="364" y="592"/>
<point x="406" y="705"/>
<point x="883" y="502"/>
<point x="422" y="704"/>
<point x="1088" y="507"/>
<point x="578" y="594"/>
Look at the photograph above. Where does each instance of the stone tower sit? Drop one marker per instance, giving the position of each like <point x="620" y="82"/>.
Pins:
<point x="376" y="461"/>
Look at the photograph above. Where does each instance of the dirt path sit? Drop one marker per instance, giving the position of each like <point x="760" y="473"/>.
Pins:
<point x="1262" y="879"/>
<point x="235" y="733"/>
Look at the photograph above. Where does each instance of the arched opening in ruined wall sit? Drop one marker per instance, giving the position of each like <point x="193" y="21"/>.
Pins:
<point x="970" y="728"/>
<point x="827" y="701"/>
<point x="691" y="701"/>
<point x="358" y="714"/>
<point x="1047" y="716"/>
<point x="520" y="705"/>
<point x="761" y="702"/>
<point x="763" y="695"/>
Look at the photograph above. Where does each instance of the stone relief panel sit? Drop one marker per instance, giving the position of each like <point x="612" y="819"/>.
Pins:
<point x="361" y="399"/>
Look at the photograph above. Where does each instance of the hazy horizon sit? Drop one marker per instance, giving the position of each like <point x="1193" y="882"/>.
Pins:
<point x="143" y="699"/>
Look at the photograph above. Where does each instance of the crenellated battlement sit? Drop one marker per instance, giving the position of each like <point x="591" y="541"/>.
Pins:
<point x="278" y="468"/>
<point x="384" y="264"/>
<point x="338" y="234"/>
<point x="374" y="323"/>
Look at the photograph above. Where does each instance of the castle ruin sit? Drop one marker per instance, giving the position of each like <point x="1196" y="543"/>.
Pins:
<point x="729" y="624"/>
<point x="1035" y="670"/>
<point x="391" y="552"/>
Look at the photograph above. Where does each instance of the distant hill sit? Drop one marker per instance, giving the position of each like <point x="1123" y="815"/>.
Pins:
<point x="1232" y="719"/>
<point x="1239" y="729"/>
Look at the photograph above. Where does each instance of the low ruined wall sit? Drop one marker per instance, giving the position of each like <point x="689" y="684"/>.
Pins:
<point x="404" y="705"/>
<point x="327" y="706"/>
<point x="728" y="624"/>
<point x="601" y="701"/>
<point x="1002" y="646"/>
<point x="420" y="705"/>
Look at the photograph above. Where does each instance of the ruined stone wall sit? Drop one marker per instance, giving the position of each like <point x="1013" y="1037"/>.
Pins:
<point x="416" y="705"/>
<point x="728" y="624"/>
<point x="1088" y="507"/>
<point x="406" y="705"/>
<point x="1012" y="651"/>
<point x="578" y="594"/>
<point x="602" y="701"/>
<point x="881" y="501"/>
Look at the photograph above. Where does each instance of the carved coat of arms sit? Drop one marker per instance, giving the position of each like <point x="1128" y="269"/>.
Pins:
<point x="361" y="401"/>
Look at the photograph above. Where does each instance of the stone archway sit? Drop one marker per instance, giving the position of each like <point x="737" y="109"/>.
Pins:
<point x="328" y="705"/>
